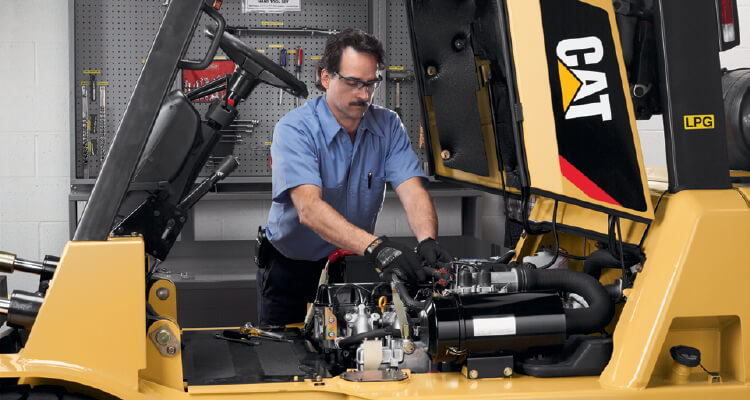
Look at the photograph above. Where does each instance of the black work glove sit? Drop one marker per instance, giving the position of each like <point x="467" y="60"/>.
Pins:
<point x="432" y="252"/>
<point x="395" y="258"/>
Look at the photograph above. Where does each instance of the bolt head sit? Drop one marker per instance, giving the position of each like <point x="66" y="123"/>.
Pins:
<point x="431" y="70"/>
<point x="445" y="154"/>
<point x="508" y="371"/>
<point x="171" y="350"/>
<point x="162" y="293"/>
<point x="331" y="320"/>
<point x="409" y="347"/>
<point x="473" y="374"/>
<point x="163" y="337"/>
<point x="459" y="44"/>
<point x="331" y="334"/>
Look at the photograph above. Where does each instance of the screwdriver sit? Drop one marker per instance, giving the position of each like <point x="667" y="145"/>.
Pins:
<point x="298" y="69"/>
<point x="282" y="62"/>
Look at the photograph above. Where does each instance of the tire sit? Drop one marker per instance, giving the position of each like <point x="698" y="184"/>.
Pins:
<point x="24" y="392"/>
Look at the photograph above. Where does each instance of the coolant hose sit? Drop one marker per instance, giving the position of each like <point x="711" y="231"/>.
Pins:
<point x="577" y="320"/>
<point x="355" y="340"/>
<point x="409" y="301"/>
<point x="601" y="259"/>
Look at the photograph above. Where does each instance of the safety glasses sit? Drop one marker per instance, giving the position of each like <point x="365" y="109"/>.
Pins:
<point x="357" y="84"/>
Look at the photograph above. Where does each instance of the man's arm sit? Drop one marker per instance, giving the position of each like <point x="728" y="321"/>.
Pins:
<point x="324" y="220"/>
<point x="420" y="211"/>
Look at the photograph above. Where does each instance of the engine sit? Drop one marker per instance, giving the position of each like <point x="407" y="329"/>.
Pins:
<point x="355" y="324"/>
<point x="484" y="314"/>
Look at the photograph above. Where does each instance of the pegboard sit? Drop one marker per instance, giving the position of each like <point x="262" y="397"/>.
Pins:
<point x="398" y="49"/>
<point x="114" y="37"/>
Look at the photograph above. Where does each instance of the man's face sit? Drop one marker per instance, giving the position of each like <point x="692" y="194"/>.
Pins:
<point x="345" y="97"/>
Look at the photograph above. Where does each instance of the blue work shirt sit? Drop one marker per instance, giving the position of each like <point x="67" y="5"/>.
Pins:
<point x="310" y="147"/>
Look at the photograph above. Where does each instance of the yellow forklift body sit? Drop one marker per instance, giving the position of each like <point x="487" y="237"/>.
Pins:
<point x="687" y="293"/>
<point x="91" y="332"/>
<point x="90" y="328"/>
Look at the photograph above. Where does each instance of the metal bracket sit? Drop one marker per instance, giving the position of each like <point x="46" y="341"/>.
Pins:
<point x="374" y="376"/>
<point x="165" y="341"/>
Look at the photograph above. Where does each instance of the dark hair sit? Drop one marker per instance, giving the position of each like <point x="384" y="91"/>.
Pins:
<point x="355" y="38"/>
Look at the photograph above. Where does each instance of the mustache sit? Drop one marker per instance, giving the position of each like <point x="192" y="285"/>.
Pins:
<point x="360" y="103"/>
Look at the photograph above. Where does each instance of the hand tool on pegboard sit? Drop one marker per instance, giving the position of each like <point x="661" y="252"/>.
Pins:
<point x="102" y="124"/>
<point x="85" y="127"/>
<point x="193" y="80"/>
<point x="92" y="81"/>
<point x="229" y="138"/>
<point x="302" y="31"/>
<point x="399" y="76"/>
<point x="297" y="69"/>
<point x="247" y="121"/>
<point x="282" y="63"/>
<point x="91" y="146"/>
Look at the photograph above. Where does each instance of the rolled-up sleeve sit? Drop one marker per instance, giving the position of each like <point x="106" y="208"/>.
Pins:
<point x="400" y="163"/>
<point x="294" y="160"/>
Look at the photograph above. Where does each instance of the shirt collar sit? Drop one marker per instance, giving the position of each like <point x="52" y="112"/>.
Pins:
<point x="331" y="126"/>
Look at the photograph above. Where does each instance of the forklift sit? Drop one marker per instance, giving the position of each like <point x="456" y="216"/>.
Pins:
<point x="625" y="282"/>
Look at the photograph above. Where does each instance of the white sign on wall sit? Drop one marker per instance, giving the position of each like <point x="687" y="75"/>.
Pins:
<point x="270" y="6"/>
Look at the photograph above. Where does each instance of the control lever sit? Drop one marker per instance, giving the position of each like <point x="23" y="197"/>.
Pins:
<point x="228" y="164"/>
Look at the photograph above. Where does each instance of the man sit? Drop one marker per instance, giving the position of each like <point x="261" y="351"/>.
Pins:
<point x="331" y="159"/>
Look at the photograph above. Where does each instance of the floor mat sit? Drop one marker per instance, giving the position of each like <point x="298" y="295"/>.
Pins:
<point x="207" y="360"/>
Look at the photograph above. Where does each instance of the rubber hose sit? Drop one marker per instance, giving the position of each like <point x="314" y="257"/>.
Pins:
<point x="599" y="260"/>
<point x="354" y="340"/>
<point x="433" y="272"/>
<point x="409" y="301"/>
<point x="577" y="320"/>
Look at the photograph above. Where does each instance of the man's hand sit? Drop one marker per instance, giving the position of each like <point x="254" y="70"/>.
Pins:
<point x="395" y="258"/>
<point x="432" y="252"/>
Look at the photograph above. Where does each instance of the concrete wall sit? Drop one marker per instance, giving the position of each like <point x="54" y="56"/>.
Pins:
<point x="34" y="131"/>
<point x="34" y="145"/>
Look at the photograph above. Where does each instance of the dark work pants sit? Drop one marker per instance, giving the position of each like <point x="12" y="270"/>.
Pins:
<point x="285" y="287"/>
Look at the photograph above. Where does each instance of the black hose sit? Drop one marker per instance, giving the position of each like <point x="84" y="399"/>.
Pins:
<point x="355" y="340"/>
<point x="599" y="260"/>
<point x="374" y="293"/>
<point x="432" y="272"/>
<point x="409" y="302"/>
<point x="578" y="320"/>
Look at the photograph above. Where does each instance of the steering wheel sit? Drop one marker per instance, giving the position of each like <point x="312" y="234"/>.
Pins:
<point x="260" y="66"/>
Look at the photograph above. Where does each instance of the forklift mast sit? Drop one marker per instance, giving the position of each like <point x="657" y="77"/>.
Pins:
<point x="155" y="81"/>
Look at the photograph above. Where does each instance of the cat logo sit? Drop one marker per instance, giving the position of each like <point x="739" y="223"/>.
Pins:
<point x="584" y="92"/>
